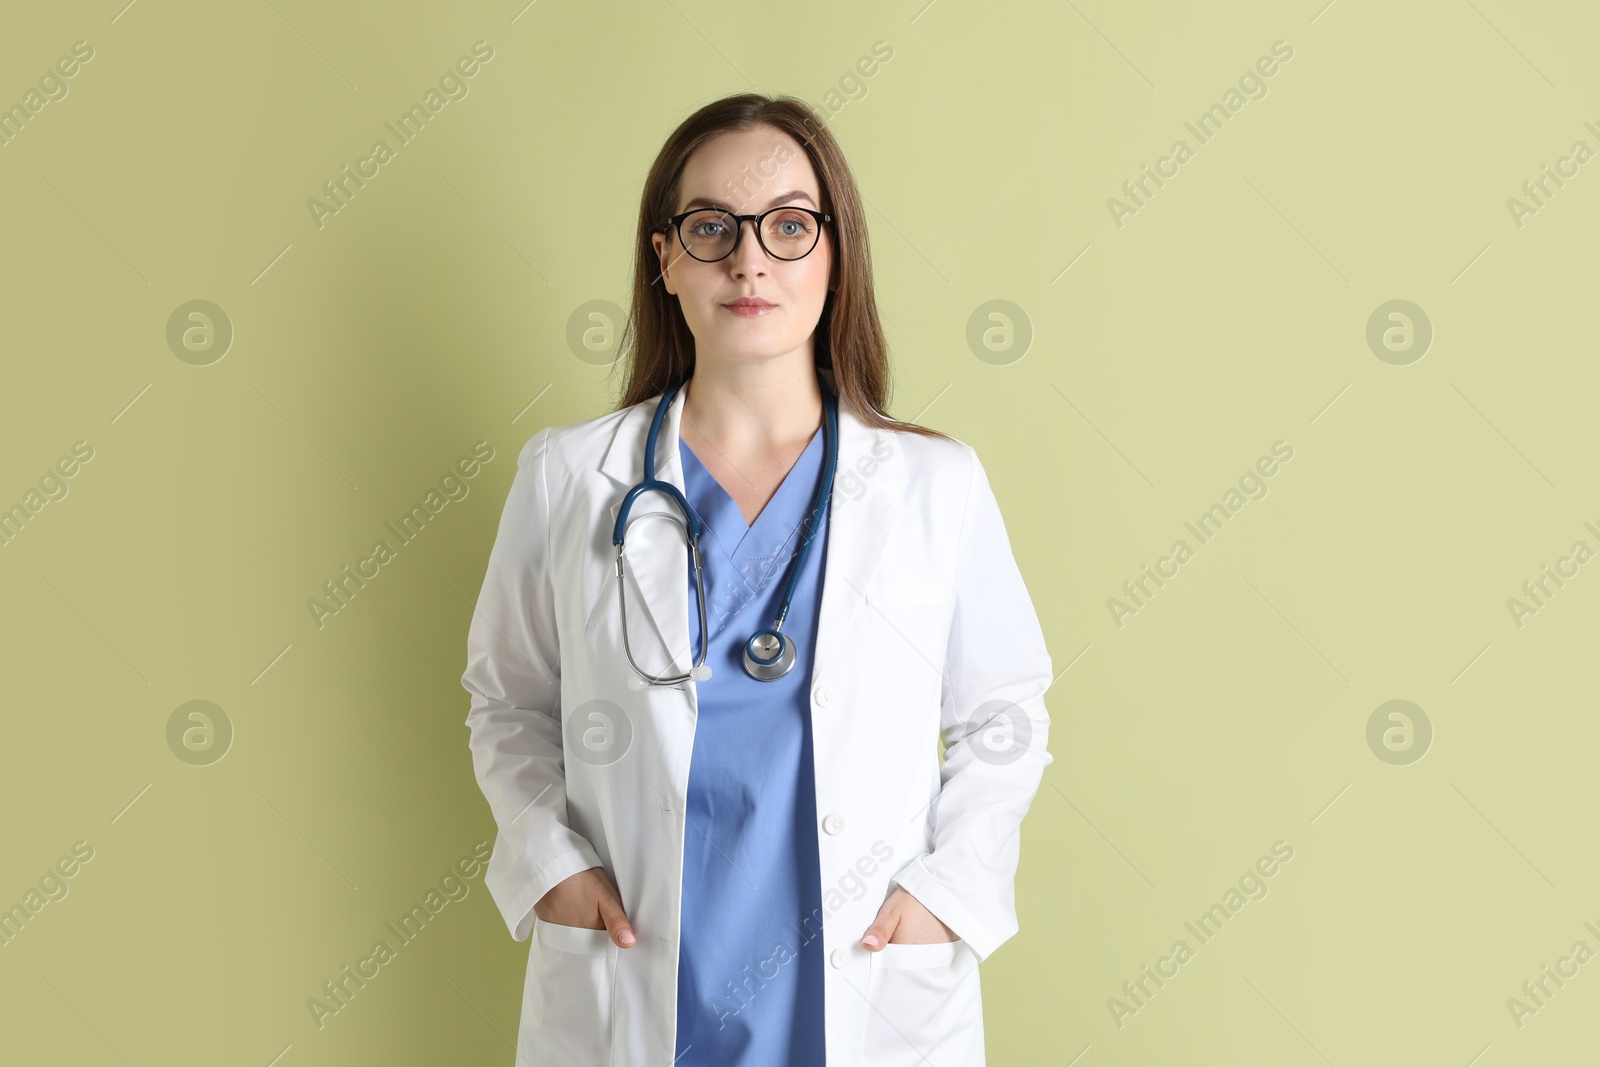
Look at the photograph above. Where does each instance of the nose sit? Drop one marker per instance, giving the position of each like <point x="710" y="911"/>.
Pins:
<point x="747" y="256"/>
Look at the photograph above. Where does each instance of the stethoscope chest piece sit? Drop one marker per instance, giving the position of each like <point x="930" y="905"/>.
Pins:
<point x="768" y="655"/>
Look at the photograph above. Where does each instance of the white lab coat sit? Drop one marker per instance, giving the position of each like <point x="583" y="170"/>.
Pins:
<point x="926" y="631"/>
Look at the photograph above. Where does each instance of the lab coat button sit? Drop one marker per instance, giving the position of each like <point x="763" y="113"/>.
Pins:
<point x="833" y="824"/>
<point x="824" y="696"/>
<point x="838" y="957"/>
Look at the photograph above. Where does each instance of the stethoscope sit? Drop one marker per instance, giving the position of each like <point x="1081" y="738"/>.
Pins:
<point x="770" y="653"/>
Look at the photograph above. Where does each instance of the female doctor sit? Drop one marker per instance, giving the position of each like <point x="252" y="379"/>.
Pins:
<point x="723" y="632"/>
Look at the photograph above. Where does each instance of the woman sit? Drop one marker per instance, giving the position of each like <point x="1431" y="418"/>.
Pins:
<point x="726" y="820"/>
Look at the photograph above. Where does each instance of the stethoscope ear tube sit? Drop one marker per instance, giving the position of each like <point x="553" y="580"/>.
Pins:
<point x="699" y="671"/>
<point x="691" y="520"/>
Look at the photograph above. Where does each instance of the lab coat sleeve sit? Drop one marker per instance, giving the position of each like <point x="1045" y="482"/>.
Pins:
<point x="994" y="726"/>
<point x="513" y="675"/>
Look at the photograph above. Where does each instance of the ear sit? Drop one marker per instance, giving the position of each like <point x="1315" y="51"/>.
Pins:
<point x="658" y="241"/>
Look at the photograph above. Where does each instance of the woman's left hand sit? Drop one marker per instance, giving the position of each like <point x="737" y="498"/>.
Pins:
<point x="904" y="921"/>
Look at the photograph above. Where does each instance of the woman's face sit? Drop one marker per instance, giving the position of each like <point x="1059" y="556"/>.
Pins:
<point x="747" y="172"/>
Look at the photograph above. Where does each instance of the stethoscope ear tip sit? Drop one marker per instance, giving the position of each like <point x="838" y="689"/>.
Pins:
<point x="638" y="684"/>
<point x="701" y="673"/>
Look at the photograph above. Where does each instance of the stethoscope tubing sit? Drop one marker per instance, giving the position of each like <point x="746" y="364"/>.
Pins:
<point x="692" y="530"/>
<point x="830" y="463"/>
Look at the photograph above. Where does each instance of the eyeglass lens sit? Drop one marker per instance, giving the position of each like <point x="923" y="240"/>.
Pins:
<point x="785" y="233"/>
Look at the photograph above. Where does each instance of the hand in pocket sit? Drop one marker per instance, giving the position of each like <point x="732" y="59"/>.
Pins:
<point x="904" y="921"/>
<point x="589" y="901"/>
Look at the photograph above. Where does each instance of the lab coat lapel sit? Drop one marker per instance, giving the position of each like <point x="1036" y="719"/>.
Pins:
<point x="868" y="492"/>
<point x="655" y="553"/>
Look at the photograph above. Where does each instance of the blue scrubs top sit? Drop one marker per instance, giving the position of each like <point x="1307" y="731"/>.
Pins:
<point x="750" y="966"/>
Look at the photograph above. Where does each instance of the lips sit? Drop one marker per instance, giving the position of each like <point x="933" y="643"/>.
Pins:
<point x="749" y="302"/>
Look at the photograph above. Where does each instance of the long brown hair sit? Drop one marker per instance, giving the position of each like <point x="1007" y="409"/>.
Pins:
<point x="657" y="346"/>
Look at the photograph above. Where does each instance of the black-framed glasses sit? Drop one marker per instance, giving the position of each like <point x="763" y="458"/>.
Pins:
<point x="710" y="234"/>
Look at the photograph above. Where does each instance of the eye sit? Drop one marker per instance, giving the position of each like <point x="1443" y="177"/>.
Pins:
<point x="790" y="223"/>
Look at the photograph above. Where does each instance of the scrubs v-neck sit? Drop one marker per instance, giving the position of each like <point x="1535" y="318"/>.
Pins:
<point x="750" y="974"/>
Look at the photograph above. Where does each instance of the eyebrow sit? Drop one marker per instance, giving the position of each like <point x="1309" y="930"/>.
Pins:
<point x="781" y="198"/>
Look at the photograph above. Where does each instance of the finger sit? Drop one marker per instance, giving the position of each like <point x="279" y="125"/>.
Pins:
<point x="882" y="928"/>
<point x="616" y="920"/>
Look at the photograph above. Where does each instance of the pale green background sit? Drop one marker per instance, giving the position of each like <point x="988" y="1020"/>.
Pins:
<point x="1227" y="314"/>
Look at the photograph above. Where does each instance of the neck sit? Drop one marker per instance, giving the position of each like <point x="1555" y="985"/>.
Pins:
<point x="753" y="408"/>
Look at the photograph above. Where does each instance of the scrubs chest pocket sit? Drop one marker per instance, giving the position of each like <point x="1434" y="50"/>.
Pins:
<point x="567" y="1002"/>
<point x="924" y="1007"/>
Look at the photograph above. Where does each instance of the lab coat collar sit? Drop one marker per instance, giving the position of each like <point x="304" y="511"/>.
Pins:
<point x="867" y="494"/>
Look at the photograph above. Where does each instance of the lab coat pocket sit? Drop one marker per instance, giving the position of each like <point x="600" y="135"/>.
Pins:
<point x="567" y="1004"/>
<point x="924" y="1007"/>
<point x="578" y="939"/>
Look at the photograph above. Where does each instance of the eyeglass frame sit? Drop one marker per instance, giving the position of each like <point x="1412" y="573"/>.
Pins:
<point x="675" y="224"/>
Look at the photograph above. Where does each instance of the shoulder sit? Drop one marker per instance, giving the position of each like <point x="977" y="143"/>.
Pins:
<point x="944" y="464"/>
<point x="930" y="454"/>
<point x="929" y="477"/>
<point x="554" y="446"/>
<point x="947" y="475"/>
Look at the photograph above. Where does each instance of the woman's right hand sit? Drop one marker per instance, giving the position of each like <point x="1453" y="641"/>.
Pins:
<point x="589" y="901"/>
